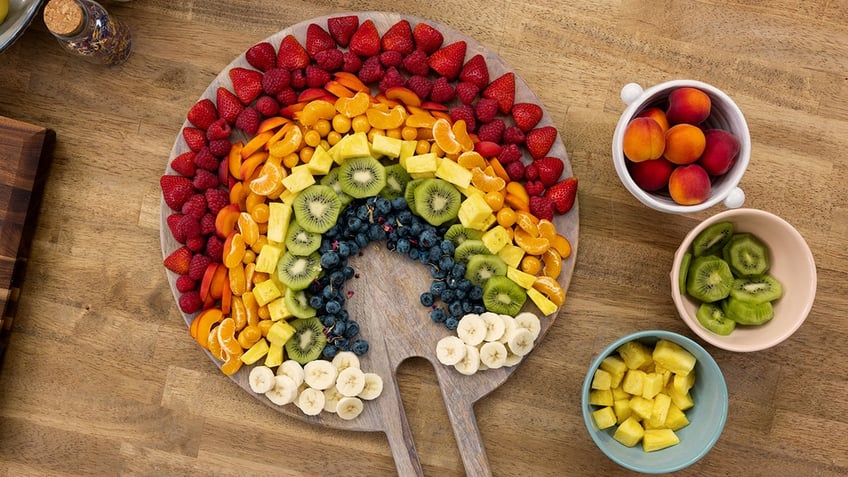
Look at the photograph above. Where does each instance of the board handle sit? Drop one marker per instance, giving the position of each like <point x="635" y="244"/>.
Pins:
<point x="399" y="436"/>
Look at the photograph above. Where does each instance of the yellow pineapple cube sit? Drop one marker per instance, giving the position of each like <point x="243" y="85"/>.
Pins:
<point x="407" y="149"/>
<point x="601" y="397"/>
<point x="656" y="439"/>
<point x="635" y="354"/>
<point x="618" y="393"/>
<point x="511" y="254"/>
<point x="659" y="413"/>
<point x="255" y="352"/>
<point x="546" y="306"/>
<point x="675" y="419"/>
<point x="386" y="146"/>
<point x="622" y="409"/>
<point x="683" y="401"/>
<point x="682" y="384"/>
<point x="288" y="197"/>
<point x="454" y="173"/>
<point x="321" y="161"/>
<point x="299" y="179"/>
<point x="673" y="357"/>
<point x="422" y="165"/>
<point x="275" y="355"/>
<point x="278" y="310"/>
<point x="634" y="382"/>
<point x="352" y="145"/>
<point x="616" y="367"/>
<point x="474" y="211"/>
<point x="601" y="379"/>
<point x="604" y="417"/>
<point x="629" y="432"/>
<point x="524" y="279"/>
<point x="269" y="255"/>
<point x="651" y="385"/>
<point x="496" y="238"/>
<point x="279" y="216"/>
<point x="266" y="292"/>
<point x="280" y="332"/>
<point x="642" y="407"/>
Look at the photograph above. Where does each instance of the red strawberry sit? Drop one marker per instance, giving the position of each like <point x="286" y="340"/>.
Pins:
<point x="275" y="80"/>
<point x="416" y="63"/>
<point x="202" y="181"/>
<point x="515" y="170"/>
<point x="503" y="90"/>
<point x="331" y="59"/>
<point x="220" y="129"/>
<point x="391" y="58"/>
<point x="467" y="93"/>
<point x="191" y="302"/>
<point x="248" y="121"/>
<point x="398" y="38"/>
<point x="542" y="207"/>
<point x="229" y="106"/>
<point x="317" y="39"/>
<point x="550" y="168"/>
<point x="261" y="56"/>
<point x="185" y="284"/>
<point x="486" y="109"/>
<point x="513" y="135"/>
<point x="526" y="115"/>
<point x="197" y="266"/>
<point x="176" y="190"/>
<point x="491" y="131"/>
<point x="316" y="77"/>
<point x="247" y="84"/>
<point x="195" y="138"/>
<point x="563" y="194"/>
<point x="442" y="91"/>
<point x="509" y="153"/>
<point x="184" y="164"/>
<point x="216" y="199"/>
<point x="173" y="222"/>
<point x="447" y="61"/>
<point x="540" y="140"/>
<point x="365" y="41"/>
<point x="291" y="54"/>
<point x="427" y="38"/>
<point x="343" y="28"/>
<point x="204" y="159"/>
<point x="178" y="261"/>
<point x="202" y="113"/>
<point x="475" y="71"/>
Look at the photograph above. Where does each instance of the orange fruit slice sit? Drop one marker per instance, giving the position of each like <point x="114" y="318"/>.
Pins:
<point x="460" y="132"/>
<point x="270" y="179"/>
<point x="550" y="288"/>
<point x="552" y="263"/>
<point x="445" y="138"/>
<point x="353" y="106"/>
<point x="315" y="110"/>
<point x="289" y="142"/>
<point x="391" y="119"/>
<point x="527" y="223"/>
<point x="530" y="244"/>
<point x="486" y="182"/>
<point x="472" y="159"/>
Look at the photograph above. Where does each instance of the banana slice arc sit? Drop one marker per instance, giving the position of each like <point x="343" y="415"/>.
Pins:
<point x="509" y="326"/>
<point x="320" y="374"/>
<point x="292" y="369"/>
<point x="350" y="382"/>
<point x="495" y="326"/>
<point x="529" y="321"/>
<point x="284" y="391"/>
<point x="373" y="387"/>
<point x="450" y="350"/>
<point x="349" y="407"/>
<point x="311" y="400"/>
<point x="493" y="354"/>
<point x="331" y="399"/>
<point x="345" y="359"/>
<point x="520" y="341"/>
<point x="470" y="363"/>
<point x="261" y="379"/>
<point x="472" y="329"/>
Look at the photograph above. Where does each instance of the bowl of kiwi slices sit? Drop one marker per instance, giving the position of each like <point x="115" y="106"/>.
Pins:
<point x="743" y="280"/>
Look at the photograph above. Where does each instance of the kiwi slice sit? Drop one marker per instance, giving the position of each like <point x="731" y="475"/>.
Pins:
<point x="458" y="233"/>
<point x="469" y="247"/>
<point x="301" y="242"/>
<point x="482" y="267"/>
<point x="712" y="317"/>
<point x="409" y="193"/>
<point x="685" y="261"/>
<point x="298" y="271"/>
<point x="308" y="340"/>
<point x="362" y="177"/>
<point x="746" y="313"/>
<point x="437" y="201"/>
<point x="396" y="180"/>
<point x="756" y="289"/>
<point x="297" y="302"/>
<point x="712" y="239"/>
<point x="332" y="180"/>
<point x="747" y="255"/>
<point x="316" y="208"/>
<point x="709" y="279"/>
<point x="503" y="296"/>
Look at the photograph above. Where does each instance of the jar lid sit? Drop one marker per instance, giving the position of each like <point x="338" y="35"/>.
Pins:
<point x="63" y="17"/>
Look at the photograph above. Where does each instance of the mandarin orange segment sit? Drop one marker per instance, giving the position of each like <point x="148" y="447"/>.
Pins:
<point x="249" y="336"/>
<point x="460" y="131"/>
<point x="547" y="229"/>
<point x="562" y="246"/>
<point x="315" y="110"/>
<point x="234" y="248"/>
<point x="552" y="263"/>
<point x="269" y="180"/>
<point x="214" y="346"/>
<point x="551" y="289"/>
<point x="206" y="319"/>
<point x="238" y="281"/>
<point x="353" y="106"/>
<point x="236" y="195"/>
<point x="471" y="159"/>
<point x="231" y="365"/>
<point x="532" y="245"/>
<point x="486" y="182"/>
<point x="227" y="336"/>
<point x="525" y="221"/>
<point x="420" y="120"/>
<point x="291" y="140"/>
<point x="238" y="313"/>
<point x="248" y="228"/>
<point x="444" y="136"/>
<point x="251" y="306"/>
<point x="392" y="119"/>
<point x="530" y="264"/>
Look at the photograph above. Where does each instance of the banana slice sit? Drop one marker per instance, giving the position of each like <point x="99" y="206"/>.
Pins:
<point x="350" y="382"/>
<point x="345" y="359"/>
<point x="261" y="379"/>
<point x="472" y="329"/>
<point x="470" y="363"/>
<point x="331" y="399"/>
<point x="283" y="392"/>
<point x="512" y="359"/>
<point x="373" y="387"/>
<point x="349" y="407"/>
<point x="495" y="326"/>
<point x="311" y="400"/>
<point x="292" y="369"/>
<point x="450" y="350"/>
<point x="319" y="374"/>
<point x="530" y="321"/>
<point x="493" y="354"/>
<point x="509" y="327"/>
<point x="520" y="341"/>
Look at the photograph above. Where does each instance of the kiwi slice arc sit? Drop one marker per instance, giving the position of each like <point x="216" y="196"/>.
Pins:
<point x="503" y="296"/>
<point x="685" y="261"/>
<point x="308" y="340"/>
<point x="709" y="279"/>
<point x="712" y="317"/>
<point x="437" y="201"/>
<point x="361" y="177"/>
<point x="316" y="208"/>
<point x="746" y="313"/>
<point x="332" y="180"/>
<point x="396" y="180"/>
<point x="298" y="271"/>
<point x="712" y="238"/>
<point x="482" y="267"/>
<point x="300" y="241"/>
<point x="756" y="289"/>
<point x="409" y="193"/>
<point x="468" y="248"/>
<point x="458" y="233"/>
<point x="297" y="302"/>
<point x="747" y="255"/>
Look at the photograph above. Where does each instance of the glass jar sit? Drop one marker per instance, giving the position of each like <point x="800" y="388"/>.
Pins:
<point x="86" y="29"/>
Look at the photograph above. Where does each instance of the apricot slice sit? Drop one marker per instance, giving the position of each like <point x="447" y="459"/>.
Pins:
<point x="271" y="123"/>
<point x="225" y="221"/>
<point x="216" y="285"/>
<point x="234" y="159"/>
<point x="404" y="95"/>
<point x="251" y="163"/>
<point x="498" y="168"/>
<point x="255" y="144"/>
<point x="206" y="319"/>
<point x="226" y="297"/>
<point x="351" y="81"/>
<point x="339" y="90"/>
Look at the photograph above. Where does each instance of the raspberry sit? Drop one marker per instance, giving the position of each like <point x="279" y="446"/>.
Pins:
<point x="465" y="113"/>
<point x="416" y="63"/>
<point x="442" y="91"/>
<point x="467" y="92"/>
<point x="220" y="129"/>
<point x="267" y="106"/>
<point x="391" y="58"/>
<point x="542" y="207"/>
<point x="207" y="222"/>
<point x="188" y="227"/>
<point x="515" y="170"/>
<point x="215" y="248"/>
<point x="371" y="71"/>
<point x="217" y="199"/>
<point x="248" y="120"/>
<point x="298" y="79"/>
<point x="195" y="207"/>
<point x="316" y="77"/>
<point x="220" y="147"/>
<point x="533" y="188"/>
<point x="492" y="131"/>
<point x="190" y="301"/>
<point x="197" y="266"/>
<point x="510" y="153"/>
<point x="275" y="80"/>
<point x="531" y="172"/>
<point x="196" y="244"/>
<point x="185" y="284"/>
<point x="203" y="180"/>
<point x="204" y="159"/>
<point x="419" y="85"/>
<point x="486" y="109"/>
<point x="391" y="78"/>
<point x="513" y="135"/>
<point x="352" y="63"/>
<point x="286" y="97"/>
<point x="331" y="59"/>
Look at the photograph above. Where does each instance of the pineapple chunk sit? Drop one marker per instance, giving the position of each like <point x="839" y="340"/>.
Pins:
<point x="257" y="351"/>
<point x="352" y="145"/>
<point x="321" y="161"/>
<point x="651" y="385"/>
<point x="266" y="292"/>
<point x="474" y="211"/>
<point x="280" y="332"/>
<point x="278" y="221"/>
<point x="546" y="306"/>
<point x="525" y="280"/>
<point x="673" y="357"/>
<point x="642" y="407"/>
<point x="634" y="382"/>
<point x="616" y="367"/>
<point x="604" y="417"/>
<point x="683" y="401"/>
<point x="622" y="409"/>
<point x="419" y="164"/>
<point x="512" y="255"/>
<point x="629" y="433"/>
<point x="454" y="173"/>
<point x="635" y="355"/>
<point x="407" y="149"/>
<point x="682" y="384"/>
<point x="299" y="179"/>
<point x="387" y="146"/>
<point x="496" y="238"/>
<point x="601" y="397"/>
<point x="266" y="261"/>
<point x="618" y="393"/>
<point x="675" y="419"/>
<point x="601" y="380"/>
<point x="278" y="310"/>
<point x="275" y="355"/>
<point x="659" y="413"/>
<point x="656" y="439"/>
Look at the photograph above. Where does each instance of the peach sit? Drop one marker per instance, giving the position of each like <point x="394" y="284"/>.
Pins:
<point x="689" y="185"/>
<point x="651" y="175"/>
<point x="687" y="105"/>
<point x="684" y="143"/>
<point x="720" y="151"/>
<point x="643" y="140"/>
<point x="657" y="115"/>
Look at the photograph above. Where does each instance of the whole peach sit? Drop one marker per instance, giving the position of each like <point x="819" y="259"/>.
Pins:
<point x="689" y="185"/>
<point x="684" y="143"/>
<point x="688" y="105"/>
<point x="643" y="140"/>
<point x="651" y="175"/>
<point x="719" y="152"/>
<point x="657" y="115"/>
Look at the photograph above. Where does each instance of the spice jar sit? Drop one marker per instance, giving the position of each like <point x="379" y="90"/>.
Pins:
<point x="86" y="29"/>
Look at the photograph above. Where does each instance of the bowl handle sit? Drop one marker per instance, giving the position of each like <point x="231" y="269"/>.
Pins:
<point x="735" y="198"/>
<point x="630" y="93"/>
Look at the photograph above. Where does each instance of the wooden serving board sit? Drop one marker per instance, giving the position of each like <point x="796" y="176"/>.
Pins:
<point x="385" y="300"/>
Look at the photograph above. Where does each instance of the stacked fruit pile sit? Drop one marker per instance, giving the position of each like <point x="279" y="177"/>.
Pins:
<point x="348" y="138"/>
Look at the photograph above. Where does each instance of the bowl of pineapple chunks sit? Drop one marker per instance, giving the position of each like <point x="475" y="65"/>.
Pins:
<point x="654" y="401"/>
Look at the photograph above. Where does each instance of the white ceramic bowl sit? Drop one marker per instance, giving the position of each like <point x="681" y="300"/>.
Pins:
<point x="725" y="114"/>
<point x="21" y="14"/>
<point x="792" y="265"/>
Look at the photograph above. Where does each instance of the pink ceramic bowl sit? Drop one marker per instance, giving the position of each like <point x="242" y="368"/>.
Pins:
<point x="791" y="263"/>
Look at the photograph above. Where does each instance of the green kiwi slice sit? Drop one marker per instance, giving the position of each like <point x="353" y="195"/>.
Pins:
<point x="316" y="208"/>
<point x="396" y="180"/>
<point x="747" y="255"/>
<point x="332" y="180"/>
<point x="458" y="233"/>
<point x="709" y="279"/>
<point x="297" y="302"/>
<point x="437" y="201"/>
<point x="712" y="317"/>
<point x="746" y="313"/>
<point x="298" y="271"/>
<point x="409" y="193"/>
<point x="685" y="261"/>
<point x="756" y="289"/>
<point x="712" y="239"/>
<point x="482" y="267"/>
<point x="468" y="248"/>
<point x="308" y="340"/>
<point x="362" y="177"/>
<point x="503" y="296"/>
<point x="300" y="241"/>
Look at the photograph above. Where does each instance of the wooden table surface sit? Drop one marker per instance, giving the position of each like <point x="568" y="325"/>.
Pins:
<point x="102" y="378"/>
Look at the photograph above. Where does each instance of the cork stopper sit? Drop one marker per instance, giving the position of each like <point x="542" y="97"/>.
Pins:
<point x="63" y="17"/>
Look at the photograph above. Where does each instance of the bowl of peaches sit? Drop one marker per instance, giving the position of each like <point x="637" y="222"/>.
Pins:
<point x="681" y="146"/>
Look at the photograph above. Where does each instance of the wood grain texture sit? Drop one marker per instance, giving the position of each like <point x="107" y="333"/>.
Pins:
<point x="100" y="376"/>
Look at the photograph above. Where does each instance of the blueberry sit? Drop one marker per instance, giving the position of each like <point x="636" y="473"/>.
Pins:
<point x="475" y="293"/>
<point x="403" y="246"/>
<point x="413" y="253"/>
<point x="448" y="295"/>
<point x="359" y="347"/>
<point x="452" y="282"/>
<point x="478" y="309"/>
<point x="315" y="301"/>
<point x="455" y="309"/>
<point x="383" y="205"/>
<point x="467" y="307"/>
<point x="437" y="288"/>
<point x="458" y="270"/>
<point x="361" y="240"/>
<point x="337" y="278"/>
<point x="348" y="272"/>
<point x="343" y="344"/>
<point x="344" y="249"/>
<point x="327" y="320"/>
<point x="376" y="232"/>
<point x="354" y="248"/>
<point x="447" y="247"/>
<point x="446" y="263"/>
<point x="352" y="329"/>
<point x="438" y="315"/>
<point x="329" y="260"/>
<point x="415" y="228"/>
<point x="434" y="254"/>
<point x="333" y="306"/>
<point x="451" y="323"/>
<point x="344" y="316"/>
<point x="437" y="273"/>
<point x="329" y="293"/>
<point x="427" y="299"/>
<point x="339" y="328"/>
<point x="399" y="203"/>
<point x="461" y="294"/>
<point x="464" y="284"/>
<point x="363" y="212"/>
<point x="329" y="351"/>
<point x="354" y="224"/>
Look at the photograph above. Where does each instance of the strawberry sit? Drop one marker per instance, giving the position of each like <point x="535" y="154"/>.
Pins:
<point x="442" y="91"/>
<point x="352" y="63"/>
<point x="419" y="85"/>
<point x="447" y="61"/>
<point x="343" y="28"/>
<point x="202" y="181"/>
<point x="229" y="106"/>
<point x="317" y="39"/>
<point x="464" y="113"/>
<point x="247" y="84"/>
<point x="475" y="71"/>
<point x="291" y="55"/>
<point x="195" y="138"/>
<point x="365" y="41"/>
<point x="427" y="38"/>
<point x="563" y="194"/>
<point x="371" y="71"/>
<point x="486" y="109"/>
<point x="204" y="159"/>
<point x="202" y="113"/>
<point x="197" y="266"/>
<point x="491" y="131"/>
<point x="214" y="248"/>
<point x="331" y="59"/>
<point x="513" y="135"/>
<point x="398" y="38"/>
<point x="220" y="147"/>
<point x="542" y="207"/>
<point x="416" y="63"/>
<point x="267" y="106"/>
<point x="176" y="190"/>
<point x="216" y="199"/>
<point x="248" y="120"/>
<point x="178" y="261"/>
<point x="173" y="222"/>
<point x="467" y="93"/>
<point x="503" y="90"/>
<point x="220" y="129"/>
<point x="185" y="284"/>
<point x="275" y="80"/>
<point x="391" y="78"/>
<point x="184" y="164"/>
<point x="540" y="140"/>
<point x="391" y="58"/>
<point x="261" y="56"/>
<point x="526" y="115"/>
<point x="550" y="168"/>
<point x="515" y="170"/>
<point x="191" y="302"/>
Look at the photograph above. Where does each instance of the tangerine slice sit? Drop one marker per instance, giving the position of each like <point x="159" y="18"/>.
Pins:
<point x="547" y="229"/>
<point x="251" y="306"/>
<point x="227" y="337"/>
<point x="471" y="159"/>
<point x="562" y="246"/>
<point x="486" y="182"/>
<point x="270" y="179"/>
<point x="353" y="106"/>
<point x="460" y="131"/>
<point x="315" y="110"/>
<point x="291" y="140"/>
<point x="238" y="313"/>
<point x="527" y="223"/>
<point x="445" y="138"/>
<point x="530" y="244"/>
<point x="232" y="364"/>
<point x="238" y="281"/>
<point x="392" y="119"/>
<point x="214" y="346"/>
<point x="530" y="264"/>
<point x="249" y="228"/>
<point x="552" y="263"/>
<point x="421" y="119"/>
<point x="249" y="336"/>
<point x="234" y="248"/>
<point x="550" y="288"/>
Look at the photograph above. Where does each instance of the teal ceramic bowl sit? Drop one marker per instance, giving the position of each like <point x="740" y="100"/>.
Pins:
<point x="706" y="418"/>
